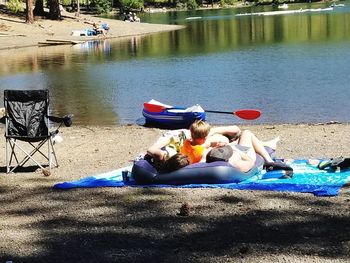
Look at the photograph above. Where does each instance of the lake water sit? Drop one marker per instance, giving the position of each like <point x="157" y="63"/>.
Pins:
<point x="294" y="67"/>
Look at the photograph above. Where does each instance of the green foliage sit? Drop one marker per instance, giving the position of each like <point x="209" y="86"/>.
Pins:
<point x="228" y="2"/>
<point x="15" y="6"/>
<point x="191" y="4"/>
<point x="156" y="2"/>
<point x="101" y="6"/>
<point x="132" y="4"/>
<point x="180" y="6"/>
<point x="186" y="4"/>
<point x="66" y="2"/>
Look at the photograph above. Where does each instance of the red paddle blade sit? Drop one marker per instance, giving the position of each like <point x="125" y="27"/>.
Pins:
<point x="248" y="114"/>
<point x="153" y="107"/>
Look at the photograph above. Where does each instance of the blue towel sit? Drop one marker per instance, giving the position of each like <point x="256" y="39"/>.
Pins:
<point x="306" y="179"/>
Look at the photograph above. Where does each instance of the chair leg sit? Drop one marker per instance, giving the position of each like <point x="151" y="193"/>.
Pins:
<point x="7" y="157"/>
<point x="12" y="144"/>
<point x="28" y="156"/>
<point x="36" y="148"/>
<point x="51" y="158"/>
<point x="52" y="152"/>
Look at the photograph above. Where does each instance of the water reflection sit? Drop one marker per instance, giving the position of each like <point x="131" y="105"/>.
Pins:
<point x="97" y="47"/>
<point x="222" y="61"/>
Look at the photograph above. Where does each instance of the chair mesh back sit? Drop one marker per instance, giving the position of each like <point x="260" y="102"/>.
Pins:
<point x="26" y="113"/>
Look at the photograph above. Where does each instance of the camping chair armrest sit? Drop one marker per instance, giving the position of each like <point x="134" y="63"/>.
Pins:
<point x="67" y="119"/>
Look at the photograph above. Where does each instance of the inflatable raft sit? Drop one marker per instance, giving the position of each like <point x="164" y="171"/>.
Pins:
<point x="165" y="116"/>
<point x="199" y="173"/>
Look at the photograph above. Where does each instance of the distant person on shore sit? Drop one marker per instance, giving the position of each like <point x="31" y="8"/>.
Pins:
<point x="103" y="29"/>
<point x="96" y="29"/>
<point x="131" y="17"/>
<point x="126" y="16"/>
<point x="136" y="18"/>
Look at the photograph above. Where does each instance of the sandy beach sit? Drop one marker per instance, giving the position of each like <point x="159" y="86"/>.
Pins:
<point x="40" y="224"/>
<point x="15" y="33"/>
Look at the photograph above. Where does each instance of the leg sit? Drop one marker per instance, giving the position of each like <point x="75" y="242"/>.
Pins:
<point x="246" y="140"/>
<point x="272" y="143"/>
<point x="250" y="140"/>
<point x="243" y="160"/>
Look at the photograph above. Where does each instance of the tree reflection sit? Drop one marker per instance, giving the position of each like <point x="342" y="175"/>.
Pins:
<point x="97" y="47"/>
<point x="90" y="79"/>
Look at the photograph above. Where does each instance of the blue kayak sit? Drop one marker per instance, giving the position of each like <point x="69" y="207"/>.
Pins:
<point x="171" y="117"/>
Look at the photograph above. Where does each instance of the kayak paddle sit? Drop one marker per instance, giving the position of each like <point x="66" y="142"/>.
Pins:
<point x="246" y="114"/>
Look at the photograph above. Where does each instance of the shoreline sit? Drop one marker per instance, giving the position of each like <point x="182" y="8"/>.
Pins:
<point x="15" y="33"/>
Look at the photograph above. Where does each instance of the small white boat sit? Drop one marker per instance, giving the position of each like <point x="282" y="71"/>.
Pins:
<point x="284" y="6"/>
<point x="337" y="5"/>
<point x="193" y="17"/>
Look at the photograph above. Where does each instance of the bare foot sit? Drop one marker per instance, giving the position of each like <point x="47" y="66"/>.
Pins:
<point x="288" y="161"/>
<point x="313" y="162"/>
<point x="272" y="143"/>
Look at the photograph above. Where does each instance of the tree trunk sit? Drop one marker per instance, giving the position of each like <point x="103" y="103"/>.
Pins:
<point x="29" y="12"/>
<point x="78" y="8"/>
<point x="39" y="8"/>
<point x="55" y="12"/>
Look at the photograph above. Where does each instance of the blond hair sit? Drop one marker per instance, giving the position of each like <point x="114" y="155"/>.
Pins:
<point x="199" y="129"/>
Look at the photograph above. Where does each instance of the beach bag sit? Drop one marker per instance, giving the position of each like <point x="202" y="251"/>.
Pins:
<point x="105" y="26"/>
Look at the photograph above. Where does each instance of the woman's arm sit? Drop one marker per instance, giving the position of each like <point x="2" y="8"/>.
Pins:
<point x="232" y="131"/>
<point x="216" y="140"/>
<point x="156" y="149"/>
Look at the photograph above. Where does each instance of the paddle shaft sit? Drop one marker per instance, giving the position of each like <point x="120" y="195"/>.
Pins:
<point x="223" y="112"/>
